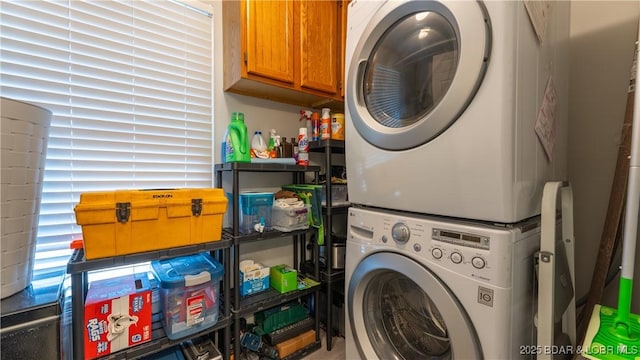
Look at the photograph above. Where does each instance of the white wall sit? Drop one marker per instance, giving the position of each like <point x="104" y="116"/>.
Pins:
<point x="603" y="34"/>
<point x="259" y="115"/>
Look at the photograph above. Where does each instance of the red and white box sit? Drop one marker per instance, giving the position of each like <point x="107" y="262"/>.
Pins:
<point x="117" y="314"/>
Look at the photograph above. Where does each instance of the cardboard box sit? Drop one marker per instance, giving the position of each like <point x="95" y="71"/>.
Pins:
<point x="254" y="277"/>
<point x="299" y="342"/>
<point x="284" y="278"/>
<point x="117" y="314"/>
<point x="131" y="221"/>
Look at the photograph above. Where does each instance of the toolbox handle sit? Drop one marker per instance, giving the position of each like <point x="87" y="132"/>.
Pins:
<point x="191" y="280"/>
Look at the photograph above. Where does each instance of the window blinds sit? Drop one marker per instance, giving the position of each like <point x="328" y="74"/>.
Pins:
<point x="129" y="85"/>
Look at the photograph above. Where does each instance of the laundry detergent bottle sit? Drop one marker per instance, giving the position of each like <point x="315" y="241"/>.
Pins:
<point x="237" y="141"/>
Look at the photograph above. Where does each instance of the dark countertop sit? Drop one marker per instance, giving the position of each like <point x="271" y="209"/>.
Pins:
<point x="31" y="304"/>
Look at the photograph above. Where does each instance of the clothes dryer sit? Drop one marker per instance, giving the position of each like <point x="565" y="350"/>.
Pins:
<point x="420" y="287"/>
<point x="441" y="102"/>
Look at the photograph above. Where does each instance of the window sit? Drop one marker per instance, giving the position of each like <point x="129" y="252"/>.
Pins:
<point x="129" y="85"/>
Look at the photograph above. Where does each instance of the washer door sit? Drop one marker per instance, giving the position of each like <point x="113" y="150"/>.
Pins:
<point x="400" y="310"/>
<point x="415" y="70"/>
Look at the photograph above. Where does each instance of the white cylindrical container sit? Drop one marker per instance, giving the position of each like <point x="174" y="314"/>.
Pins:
<point x="25" y="131"/>
<point x="303" y="147"/>
<point x="325" y="124"/>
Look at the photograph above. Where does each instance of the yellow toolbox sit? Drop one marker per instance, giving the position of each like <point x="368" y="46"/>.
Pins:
<point x="131" y="221"/>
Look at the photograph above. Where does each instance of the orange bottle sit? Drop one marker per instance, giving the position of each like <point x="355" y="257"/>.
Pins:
<point x="315" y="126"/>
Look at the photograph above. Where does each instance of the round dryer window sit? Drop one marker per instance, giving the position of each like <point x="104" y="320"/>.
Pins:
<point x="416" y="69"/>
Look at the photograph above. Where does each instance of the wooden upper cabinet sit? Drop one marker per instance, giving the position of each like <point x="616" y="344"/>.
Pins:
<point x="270" y="40"/>
<point x="289" y="51"/>
<point x="319" y="45"/>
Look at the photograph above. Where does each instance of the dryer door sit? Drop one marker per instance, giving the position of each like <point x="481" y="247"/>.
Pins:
<point x="400" y="310"/>
<point x="415" y="70"/>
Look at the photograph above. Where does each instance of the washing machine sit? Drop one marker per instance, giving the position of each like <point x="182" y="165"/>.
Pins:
<point x="456" y="108"/>
<point x="422" y="287"/>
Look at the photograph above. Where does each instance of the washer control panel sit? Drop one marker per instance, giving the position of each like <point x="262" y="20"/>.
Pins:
<point x="460" y="238"/>
<point x="450" y="248"/>
<point x="479" y="252"/>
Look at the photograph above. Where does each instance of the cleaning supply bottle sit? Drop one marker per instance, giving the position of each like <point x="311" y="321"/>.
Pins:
<point x="305" y="115"/>
<point x="274" y="143"/>
<point x="325" y="124"/>
<point x="294" y="148"/>
<point x="315" y="124"/>
<point x="237" y="140"/>
<point x="258" y="146"/>
<point x="223" y="147"/>
<point x="287" y="148"/>
<point x="278" y="145"/>
<point x="303" y="147"/>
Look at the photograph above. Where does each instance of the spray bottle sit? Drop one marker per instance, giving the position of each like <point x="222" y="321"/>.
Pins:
<point x="303" y="147"/>
<point x="275" y="149"/>
<point x="305" y="115"/>
<point x="315" y="124"/>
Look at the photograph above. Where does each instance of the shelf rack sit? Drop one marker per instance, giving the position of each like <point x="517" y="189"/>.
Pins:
<point x="78" y="267"/>
<point x="328" y="276"/>
<point x="270" y="298"/>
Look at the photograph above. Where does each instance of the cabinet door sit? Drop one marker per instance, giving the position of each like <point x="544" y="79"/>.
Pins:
<point x="270" y="44"/>
<point x="319" y="45"/>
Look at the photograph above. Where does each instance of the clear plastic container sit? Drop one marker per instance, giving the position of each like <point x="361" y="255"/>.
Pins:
<point x="189" y="293"/>
<point x="339" y="194"/>
<point x="289" y="219"/>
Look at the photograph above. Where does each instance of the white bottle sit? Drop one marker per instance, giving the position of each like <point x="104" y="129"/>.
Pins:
<point x="303" y="147"/>
<point x="325" y="124"/>
<point x="258" y="146"/>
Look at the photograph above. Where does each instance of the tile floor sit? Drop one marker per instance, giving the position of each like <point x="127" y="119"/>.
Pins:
<point x="337" y="350"/>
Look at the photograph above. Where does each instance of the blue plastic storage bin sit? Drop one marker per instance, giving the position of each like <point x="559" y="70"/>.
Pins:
<point x="255" y="208"/>
<point x="189" y="293"/>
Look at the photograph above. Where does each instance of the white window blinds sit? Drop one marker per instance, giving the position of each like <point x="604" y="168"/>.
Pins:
<point x="129" y="85"/>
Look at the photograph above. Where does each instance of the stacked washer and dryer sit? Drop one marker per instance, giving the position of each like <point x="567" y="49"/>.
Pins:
<point x="446" y="173"/>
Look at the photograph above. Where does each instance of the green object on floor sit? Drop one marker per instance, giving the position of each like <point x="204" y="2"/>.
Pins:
<point x="606" y="341"/>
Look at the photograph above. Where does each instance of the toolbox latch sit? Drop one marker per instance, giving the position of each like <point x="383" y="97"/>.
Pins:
<point x="196" y="207"/>
<point x="123" y="210"/>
